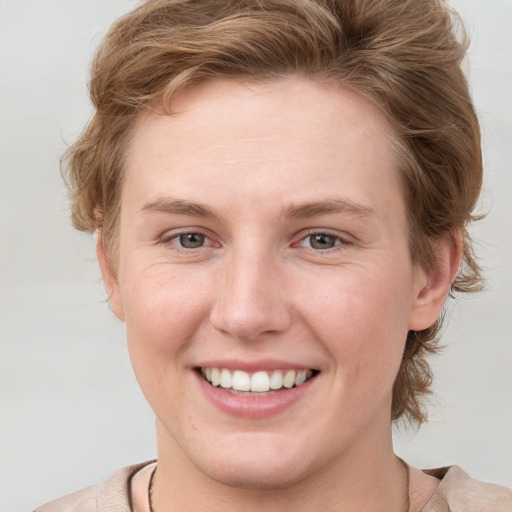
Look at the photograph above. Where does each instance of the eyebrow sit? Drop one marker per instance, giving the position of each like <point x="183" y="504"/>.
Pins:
<point x="313" y="209"/>
<point x="300" y="211"/>
<point x="179" y="207"/>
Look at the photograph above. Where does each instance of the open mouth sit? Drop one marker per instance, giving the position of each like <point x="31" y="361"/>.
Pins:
<point x="244" y="383"/>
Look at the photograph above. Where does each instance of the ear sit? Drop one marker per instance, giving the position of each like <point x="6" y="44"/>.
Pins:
<point x="110" y="279"/>
<point x="434" y="285"/>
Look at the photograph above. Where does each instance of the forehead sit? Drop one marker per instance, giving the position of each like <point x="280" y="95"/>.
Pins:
<point x="290" y="136"/>
<point x="300" y="106"/>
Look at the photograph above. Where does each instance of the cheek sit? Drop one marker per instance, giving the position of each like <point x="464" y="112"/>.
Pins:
<point x="362" y="321"/>
<point x="163" y="311"/>
<point x="161" y="316"/>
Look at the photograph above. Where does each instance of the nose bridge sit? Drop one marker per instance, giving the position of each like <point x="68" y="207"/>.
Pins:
<point x="249" y="301"/>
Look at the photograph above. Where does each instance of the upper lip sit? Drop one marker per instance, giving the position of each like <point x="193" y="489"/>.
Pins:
<point x="254" y="366"/>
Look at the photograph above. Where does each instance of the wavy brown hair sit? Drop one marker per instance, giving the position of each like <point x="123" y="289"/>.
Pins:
<point x="403" y="55"/>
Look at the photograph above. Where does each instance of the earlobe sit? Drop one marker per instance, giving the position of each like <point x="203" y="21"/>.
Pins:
<point x="435" y="284"/>
<point x="110" y="279"/>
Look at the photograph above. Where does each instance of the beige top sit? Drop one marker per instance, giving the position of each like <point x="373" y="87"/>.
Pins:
<point x="457" y="492"/>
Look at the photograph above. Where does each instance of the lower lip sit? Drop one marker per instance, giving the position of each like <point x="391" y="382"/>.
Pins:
<point x="253" y="406"/>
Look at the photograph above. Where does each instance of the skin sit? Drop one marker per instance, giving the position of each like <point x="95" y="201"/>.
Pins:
<point x="252" y="155"/>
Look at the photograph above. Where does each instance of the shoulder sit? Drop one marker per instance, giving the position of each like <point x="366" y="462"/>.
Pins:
<point x="111" y="495"/>
<point x="458" y="492"/>
<point x="80" y="501"/>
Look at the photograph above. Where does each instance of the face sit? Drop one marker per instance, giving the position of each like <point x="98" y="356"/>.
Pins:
<point x="264" y="277"/>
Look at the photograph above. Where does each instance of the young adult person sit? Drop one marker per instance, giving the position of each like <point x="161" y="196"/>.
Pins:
<point x="281" y="192"/>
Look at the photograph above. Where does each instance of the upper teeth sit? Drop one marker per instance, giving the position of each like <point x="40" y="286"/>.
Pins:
<point x="259" y="381"/>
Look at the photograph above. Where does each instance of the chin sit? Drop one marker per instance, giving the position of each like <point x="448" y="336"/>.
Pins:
<point x="245" y="475"/>
<point x="257" y="465"/>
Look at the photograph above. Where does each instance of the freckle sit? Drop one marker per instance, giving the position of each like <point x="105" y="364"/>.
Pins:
<point x="192" y="426"/>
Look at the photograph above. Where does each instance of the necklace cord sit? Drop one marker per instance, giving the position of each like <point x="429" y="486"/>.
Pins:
<point x="404" y="464"/>
<point x="150" y="490"/>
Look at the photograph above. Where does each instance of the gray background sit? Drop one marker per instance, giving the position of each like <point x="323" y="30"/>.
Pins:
<point x="71" y="409"/>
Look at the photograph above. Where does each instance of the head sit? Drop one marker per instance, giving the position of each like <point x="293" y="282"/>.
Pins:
<point x="403" y="57"/>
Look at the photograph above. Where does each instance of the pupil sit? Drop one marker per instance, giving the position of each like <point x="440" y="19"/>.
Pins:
<point x="191" y="240"/>
<point x="322" y="241"/>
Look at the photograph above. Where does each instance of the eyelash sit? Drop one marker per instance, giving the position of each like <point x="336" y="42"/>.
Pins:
<point x="339" y="241"/>
<point x="172" y="240"/>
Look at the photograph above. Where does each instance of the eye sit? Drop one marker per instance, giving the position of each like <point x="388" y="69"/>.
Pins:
<point x="190" y="240"/>
<point x="187" y="240"/>
<point x="321" y="241"/>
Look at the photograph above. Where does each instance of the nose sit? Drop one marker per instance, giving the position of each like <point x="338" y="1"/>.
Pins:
<point x="251" y="299"/>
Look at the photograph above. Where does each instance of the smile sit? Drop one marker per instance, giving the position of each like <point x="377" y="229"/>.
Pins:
<point x="241" y="382"/>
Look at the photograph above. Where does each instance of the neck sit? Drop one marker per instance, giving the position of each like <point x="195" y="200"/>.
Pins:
<point x="368" y="477"/>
